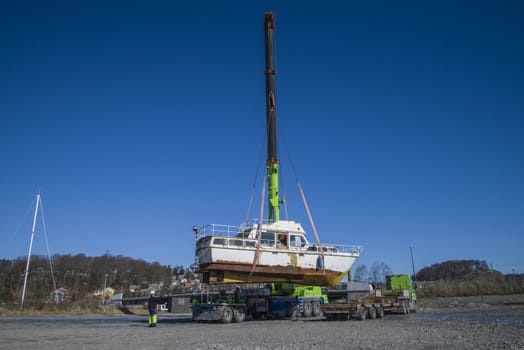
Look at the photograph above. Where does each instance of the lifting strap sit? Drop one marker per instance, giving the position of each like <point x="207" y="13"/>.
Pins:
<point x="259" y="232"/>
<point x="312" y="223"/>
<point x="310" y="217"/>
<point x="248" y="213"/>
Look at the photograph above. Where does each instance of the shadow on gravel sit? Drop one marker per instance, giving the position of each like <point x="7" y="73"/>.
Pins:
<point x="163" y="320"/>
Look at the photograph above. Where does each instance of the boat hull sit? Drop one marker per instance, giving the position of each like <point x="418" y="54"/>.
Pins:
<point x="241" y="273"/>
<point x="229" y="265"/>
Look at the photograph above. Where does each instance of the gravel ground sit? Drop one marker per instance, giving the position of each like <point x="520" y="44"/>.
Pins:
<point x="470" y="327"/>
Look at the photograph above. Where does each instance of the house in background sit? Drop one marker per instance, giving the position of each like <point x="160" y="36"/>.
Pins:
<point x="58" y="296"/>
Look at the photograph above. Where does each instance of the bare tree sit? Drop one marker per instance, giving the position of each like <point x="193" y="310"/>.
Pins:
<point x="361" y="273"/>
<point x="378" y="272"/>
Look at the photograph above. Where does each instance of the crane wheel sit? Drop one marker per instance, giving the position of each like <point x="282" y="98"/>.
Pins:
<point x="308" y="309"/>
<point x="315" y="305"/>
<point x="239" y="315"/>
<point x="227" y="315"/>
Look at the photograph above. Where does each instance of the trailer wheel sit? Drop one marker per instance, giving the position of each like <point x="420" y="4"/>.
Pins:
<point x="315" y="305"/>
<point x="412" y="306"/>
<point x="308" y="309"/>
<point x="371" y="313"/>
<point x="405" y="308"/>
<point x="227" y="315"/>
<point x="239" y="315"/>
<point x="361" y="313"/>
<point x="380" y="311"/>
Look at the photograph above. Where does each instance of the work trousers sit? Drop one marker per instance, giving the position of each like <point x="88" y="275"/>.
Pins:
<point x="152" y="319"/>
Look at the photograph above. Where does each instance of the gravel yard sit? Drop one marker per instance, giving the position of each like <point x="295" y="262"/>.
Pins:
<point x="465" y="327"/>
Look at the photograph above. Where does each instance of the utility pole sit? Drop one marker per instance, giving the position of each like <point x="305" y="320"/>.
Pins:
<point x="30" y="249"/>
<point x="412" y="261"/>
<point x="104" y="290"/>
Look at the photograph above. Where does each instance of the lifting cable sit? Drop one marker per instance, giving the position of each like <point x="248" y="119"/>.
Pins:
<point x="306" y="206"/>
<point x="253" y="188"/>
<point x="259" y="232"/>
<point x="283" y="193"/>
<point x="311" y="222"/>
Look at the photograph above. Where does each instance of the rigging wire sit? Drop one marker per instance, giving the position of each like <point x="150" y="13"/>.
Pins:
<point x="253" y="188"/>
<point x="259" y="232"/>
<point x="284" y="202"/>
<point x="47" y="243"/>
<point x="25" y="216"/>
<point x="306" y="206"/>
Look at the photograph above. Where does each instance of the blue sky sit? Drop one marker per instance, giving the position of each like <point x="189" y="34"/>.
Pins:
<point x="137" y="120"/>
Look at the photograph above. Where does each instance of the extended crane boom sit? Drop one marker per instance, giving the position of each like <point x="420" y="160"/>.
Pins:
<point x="272" y="158"/>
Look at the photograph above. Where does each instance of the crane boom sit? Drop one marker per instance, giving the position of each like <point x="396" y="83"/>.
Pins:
<point x="271" y="120"/>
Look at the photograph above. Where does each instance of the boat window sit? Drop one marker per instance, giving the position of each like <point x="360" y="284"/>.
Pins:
<point x="203" y="242"/>
<point x="282" y="240"/>
<point x="221" y="241"/>
<point x="297" y="241"/>
<point x="235" y="242"/>
<point x="244" y="234"/>
<point x="268" y="239"/>
<point x="251" y="244"/>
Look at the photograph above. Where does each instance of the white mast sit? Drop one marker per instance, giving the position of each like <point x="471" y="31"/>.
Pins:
<point x="30" y="248"/>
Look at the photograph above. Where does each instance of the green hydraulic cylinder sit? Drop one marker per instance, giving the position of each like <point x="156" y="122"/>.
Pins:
<point x="273" y="198"/>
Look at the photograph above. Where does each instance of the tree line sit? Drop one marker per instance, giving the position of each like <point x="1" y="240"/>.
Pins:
<point x="81" y="275"/>
<point x="375" y="274"/>
<point x="450" y="278"/>
<point x="452" y="269"/>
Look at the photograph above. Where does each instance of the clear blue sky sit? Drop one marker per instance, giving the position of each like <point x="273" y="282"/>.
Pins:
<point x="139" y="119"/>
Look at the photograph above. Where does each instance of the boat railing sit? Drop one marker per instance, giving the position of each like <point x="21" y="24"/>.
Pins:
<point x="232" y="236"/>
<point x="336" y="248"/>
<point x="239" y="242"/>
<point x="220" y="230"/>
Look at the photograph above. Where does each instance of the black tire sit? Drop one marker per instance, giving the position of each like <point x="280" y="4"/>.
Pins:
<point x="315" y="305"/>
<point x="362" y="313"/>
<point x="239" y="315"/>
<point x="412" y="306"/>
<point x="371" y="312"/>
<point x="380" y="311"/>
<point x="227" y="315"/>
<point x="307" y="309"/>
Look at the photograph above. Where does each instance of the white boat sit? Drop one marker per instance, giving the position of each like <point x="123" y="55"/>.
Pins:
<point x="228" y="254"/>
<point x="277" y="250"/>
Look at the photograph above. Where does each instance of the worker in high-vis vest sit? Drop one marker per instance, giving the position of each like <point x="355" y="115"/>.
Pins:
<point x="151" y="305"/>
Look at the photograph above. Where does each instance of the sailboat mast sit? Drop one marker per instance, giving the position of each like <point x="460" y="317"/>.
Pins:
<point x="30" y="249"/>
<point x="271" y="121"/>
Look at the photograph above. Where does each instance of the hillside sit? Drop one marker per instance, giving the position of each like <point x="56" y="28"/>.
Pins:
<point x="466" y="278"/>
<point x="82" y="276"/>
